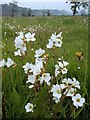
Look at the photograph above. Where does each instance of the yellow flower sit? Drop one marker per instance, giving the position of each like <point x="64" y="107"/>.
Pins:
<point x="80" y="55"/>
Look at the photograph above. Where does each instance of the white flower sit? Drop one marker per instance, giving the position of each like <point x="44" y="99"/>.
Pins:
<point x="31" y="86"/>
<point x="39" y="63"/>
<point x="31" y="79"/>
<point x="71" y="92"/>
<point x="67" y="81"/>
<point x="56" y="99"/>
<point x="29" y="107"/>
<point x="26" y="67"/>
<point x="75" y="83"/>
<point x="55" y="40"/>
<point x="39" y="53"/>
<point x="21" y="35"/>
<point x="17" y="53"/>
<point x="64" y="71"/>
<point x="30" y="37"/>
<point x="78" y="67"/>
<point x="65" y="63"/>
<point x="63" y="86"/>
<point x="9" y="62"/>
<point x="56" y="89"/>
<point x="78" y="101"/>
<point x="59" y="35"/>
<point x="2" y="63"/>
<point x="50" y="44"/>
<point x="20" y="44"/>
<point x="45" y="77"/>
<point x="58" y="43"/>
<point x="61" y="65"/>
<point x="57" y="70"/>
<point x="36" y="70"/>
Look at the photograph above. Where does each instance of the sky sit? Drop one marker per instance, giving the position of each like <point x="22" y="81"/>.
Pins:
<point x="42" y="4"/>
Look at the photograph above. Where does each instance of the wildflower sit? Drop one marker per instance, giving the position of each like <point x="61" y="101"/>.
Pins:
<point x="39" y="53"/>
<point x="19" y="43"/>
<point x="56" y="99"/>
<point x="61" y="67"/>
<point x="50" y="44"/>
<point x="75" y="83"/>
<point x="26" y="67"/>
<point x="56" y="90"/>
<point x="2" y="63"/>
<point x="9" y="62"/>
<point x="78" y="67"/>
<point x="45" y="77"/>
<point x="17" y="53"/>
<point x="30" y="37"/>
<point x="80" y="55"/>
<point x="29" y="107"/>
<point x="65" y="63"/>
<point x="64" y="71"/>
<point x="31" y="79"/>
<point x="57" y="70"/>
<point x="21" y="35"/>
<point x="55" y="40"/>
<point x="31" y="86"/>
<point x="71" y="92"/>
<point x="67" y="81"/>
<point x="78" y="101"/>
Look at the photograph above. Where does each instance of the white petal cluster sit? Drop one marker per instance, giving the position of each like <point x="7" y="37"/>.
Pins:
<point x="29" y="107"/>
<point x="20" y="42"/>
<point x="9" y="63"/>
<point x="57" y="92"/>
<point x="30" y="37"/>
<point x="17" y="53"/>
<point x="78" y="101"/>
<point x="36" y="72"/>
<point x="61" y="68"/>
<point x="39" y="53"/>
<point x="2" y="63"/>
<point x="67" y="89"/>
<point x="55" y="41"/>
<point x="72" y="82"/>
<point x="45" y="77"/>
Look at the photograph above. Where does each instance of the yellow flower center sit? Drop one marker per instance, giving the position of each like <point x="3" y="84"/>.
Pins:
<point x="78" y="100"/>
<point x="71" y="92"/>
<point x="58" y="91"/>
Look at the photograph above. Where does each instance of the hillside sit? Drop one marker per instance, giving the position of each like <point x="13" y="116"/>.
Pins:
<point x="20" y="11"/>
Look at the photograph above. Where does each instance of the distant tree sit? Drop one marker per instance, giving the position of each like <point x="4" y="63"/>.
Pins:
<point x="83" y="12"/>
<point x="29" y="12"/>
<point x="44" y="12"/>
<point x="13" y="7"/>
<point x="23" y="13"/>
<point x="75" y="5"/>
<point x="48" y="13"/>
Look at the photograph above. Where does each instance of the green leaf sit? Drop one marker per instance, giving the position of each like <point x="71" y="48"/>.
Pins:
<point x="15" y="99"/>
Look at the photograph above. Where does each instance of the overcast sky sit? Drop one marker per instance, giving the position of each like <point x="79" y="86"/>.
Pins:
<point x="40" y="4"/>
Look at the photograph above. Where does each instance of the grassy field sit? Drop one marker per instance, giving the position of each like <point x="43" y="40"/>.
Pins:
<point x="16" y="91"/>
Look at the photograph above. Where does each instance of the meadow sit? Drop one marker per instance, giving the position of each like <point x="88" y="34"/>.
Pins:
<point x="16" y="93"/>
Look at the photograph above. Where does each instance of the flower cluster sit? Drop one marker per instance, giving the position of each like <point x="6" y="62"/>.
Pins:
<point x="60" y="67"/>
<point x="20" y="42"/>
<point x="36" y="72"/>
<point x="55" y="40"/>
<point x="37" y="75"/>
<point x="68" y="88"/>
<point x="9" y="63"/>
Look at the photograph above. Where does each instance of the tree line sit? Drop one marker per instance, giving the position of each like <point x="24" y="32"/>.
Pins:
<point x="75" y="7"/>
